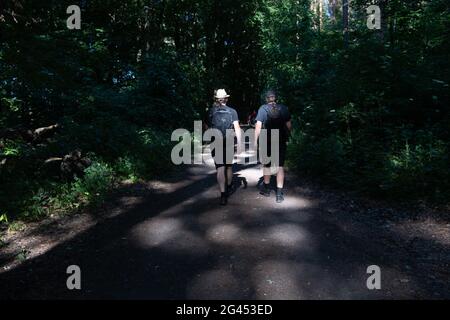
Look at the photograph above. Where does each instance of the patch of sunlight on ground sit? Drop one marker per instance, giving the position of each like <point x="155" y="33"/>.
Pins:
<point x="164" y="187"/>
<point x="168" y="234"/>
<point x="223" y="233"/>
<point x="155" y="232"/>
<point x="294" y="201"/>
<point x="252" y="174"/>
<point x="287" y="235"/>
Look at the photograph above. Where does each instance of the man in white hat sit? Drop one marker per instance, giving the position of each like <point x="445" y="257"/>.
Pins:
<point x="223" y="118"/>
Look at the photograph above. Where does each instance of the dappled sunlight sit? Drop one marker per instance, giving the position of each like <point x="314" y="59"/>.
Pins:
<point x="170" y="235"/>
<point x="155" y="232"/>
<point x="165" y="187"/>
<point x="288" y="235"/>
<point x="223" y="233"/>
<point x="252" y="174"/>
<point x="296" y="202"/>
<point x="257" y="239"/>
<point x="111" y="112"/>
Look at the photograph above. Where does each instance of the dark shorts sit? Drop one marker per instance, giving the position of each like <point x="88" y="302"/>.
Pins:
<point x="223" y="160"/>
<point x="282" y="155"/>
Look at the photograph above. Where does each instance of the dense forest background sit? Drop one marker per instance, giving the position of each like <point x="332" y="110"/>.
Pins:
<point x="83" y="109"/>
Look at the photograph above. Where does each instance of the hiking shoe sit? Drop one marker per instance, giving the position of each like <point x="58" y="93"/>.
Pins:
<point x="223" y="199"/>
<point x="265" y="190"/>
<point x="231" y="189"/>
<point x="280" y="196"/>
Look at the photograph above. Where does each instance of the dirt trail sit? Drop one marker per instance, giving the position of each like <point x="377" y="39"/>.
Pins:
<point x="171" y="240"/>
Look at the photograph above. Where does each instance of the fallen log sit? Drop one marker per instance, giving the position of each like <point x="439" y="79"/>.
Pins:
<point x="28" y="135"/>
<point x="44" y="132"/>
<point x="52" y="167"/>
<point x="68" y="167"/>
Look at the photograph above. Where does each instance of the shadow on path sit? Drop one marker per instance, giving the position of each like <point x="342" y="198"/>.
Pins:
<point x="176" y="242"/>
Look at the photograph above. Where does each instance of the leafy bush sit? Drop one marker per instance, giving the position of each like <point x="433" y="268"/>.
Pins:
<point x="56" y="197"/>
<point x="98" y="179"/>
<point x="415" y="171"/>
<point x="319" y="157"/>
<point x="419" y="170"/>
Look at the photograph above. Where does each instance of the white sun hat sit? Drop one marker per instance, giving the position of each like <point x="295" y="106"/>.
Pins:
<point x="221" y="93"/>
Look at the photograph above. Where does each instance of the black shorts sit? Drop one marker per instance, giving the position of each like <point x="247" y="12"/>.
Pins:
<point x="223" y="160"/>
<point x="282" y="155"/>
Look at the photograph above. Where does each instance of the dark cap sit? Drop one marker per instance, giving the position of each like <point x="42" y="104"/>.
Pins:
<point x="270" y="93"/>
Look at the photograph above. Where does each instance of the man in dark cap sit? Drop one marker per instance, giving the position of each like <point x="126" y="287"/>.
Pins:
<point x="274" y="116"/>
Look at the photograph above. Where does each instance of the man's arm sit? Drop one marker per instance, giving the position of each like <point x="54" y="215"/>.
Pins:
<point x="237" y="129"/>
<point x="207" y="120"/>
<point x="258" y="127"/>
<point x="288" y="121"/>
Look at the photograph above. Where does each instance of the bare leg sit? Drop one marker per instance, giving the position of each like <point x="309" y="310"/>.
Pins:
<point x="267" y="174"/>
<point x="280" y="178"/>
<point x="229" y="175"/>
<point x="221" y="178"/>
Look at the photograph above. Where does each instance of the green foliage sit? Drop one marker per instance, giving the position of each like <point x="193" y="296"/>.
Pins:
<point x="374" y="115"/>
<point x="16" y="226"/>
<point x="22" y="255"/>
<point x="417" y="170"/>
<point x="3" y="218"/>
<point x="127" y="168"/>
<point x="116" y="89"/>
<point x="57" y="198"/>
<point x="371" y="113"/>
<point x="96" y="182"/>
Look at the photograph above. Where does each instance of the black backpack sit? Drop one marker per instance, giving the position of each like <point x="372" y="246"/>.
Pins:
<point x="222" y="120"/>
<point x="274" y="117"/>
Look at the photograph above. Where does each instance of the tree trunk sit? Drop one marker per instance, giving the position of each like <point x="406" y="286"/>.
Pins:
<point x="320" y="15"/>
<point x="345" y="20"/>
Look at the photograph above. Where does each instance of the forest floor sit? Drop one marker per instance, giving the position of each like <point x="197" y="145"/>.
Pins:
<point x="170" y="239"/>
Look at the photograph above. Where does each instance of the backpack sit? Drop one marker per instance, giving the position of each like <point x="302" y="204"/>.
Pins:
<point x="222" y="120"/>
<point x="274" y="117"/>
